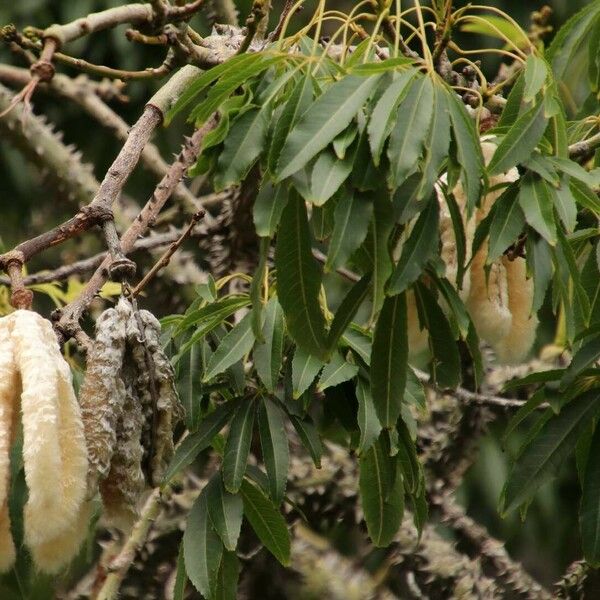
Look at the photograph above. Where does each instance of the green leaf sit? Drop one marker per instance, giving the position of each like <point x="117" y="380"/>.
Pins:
<point x="535" y="75"/>
<point x="180" y="577"/>
<point x="351" y="223"/>
<point x="455" y="304"/>
<point x="520" y="140"/>
<point x="418" y="248"/>
<point x="359" y="342"/>
<point x="512" y="109"/>
<point x="305" y="367"/>
<point x="201" y="439"/>
<point x="267" y="522"/>
<point x="321" y="220"/>
<point x="226" y="511"/>
<point x="299" y="279"/>
<point x="381" y="494"/>
<point x="237" y="447"/>
<point x="328" y="174"/>
<point x="190" y="386"/>
<point x="268" y="355"/>
<point x="382" y="66"/>
<point x="347" y="309"/>
<point x="274" y="444"/>
<point x="369" y="424"/>
<point x="208" y="77"/>
<point x="436" y="143"/>
<point x="507" y="224"/>
<point x="268" y="206"/>
<point x="539" y="261"/>
<point x="326" y="118"/>
<point x="219" y="310"/>
<point x="336" y="371"/>
<point x="536" y="201"/>
<point x="227" y="84"/>
<point x="565" y="203"/>
<point x="383" y="116"/>
<point x="233" y="347"/>
<point x="584" y="196"/>
<point x="299" y="101"/>
<point x="445" y="365"/>
<point x="378" y="246"/>
<point x="468" y="149"/>
<point x="227" y="577"/>
<point x="409" y="133"/>
<point x="389" y="359"/>
<point x="588" y="354"/>
<point x="242" y="147"/>
<point x="309" y="437"/>
<point x="543" y="456"/>
<point x="414" y="393"/>
<point x="590" y="504"/>
<point x="256" y="289"/>
<point x="408" y="461"/>
<point x="343" y="141"/>
<point x="202" y="548"/>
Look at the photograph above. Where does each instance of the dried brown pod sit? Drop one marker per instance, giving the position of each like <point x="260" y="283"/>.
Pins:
<point x="156" y="385"/>
<point x="102" y="394"/>
<point x="125" y="483"/>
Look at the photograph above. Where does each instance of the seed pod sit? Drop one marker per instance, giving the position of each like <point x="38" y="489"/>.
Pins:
<point x="518" y="342"/>
<point x="9" y="387"/>
<point x="165" y="409"/>
<point x="54" y="452"/>
<point x="488" y="299"/>
<point x="122" y="489"/>
<point x="55" y="553"/>
<point x="103" y="392"/>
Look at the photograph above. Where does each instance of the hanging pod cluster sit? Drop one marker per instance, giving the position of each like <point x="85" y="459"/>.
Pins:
<point x="499" y="295"/>
<point x="129" y="407"/>
<point x="36" y="384"/>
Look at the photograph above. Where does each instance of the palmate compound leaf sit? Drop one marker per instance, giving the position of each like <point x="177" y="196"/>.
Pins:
<point x="381" y="492"/>
<point x="274" y="444"/>
<point x="324" y="120"/>
<point x="202" y="548"/>
<point x="389" y="359"/>
<point x="545" y="453"/>
<point x="267" y="522"/>
<point x="299" y="279"/>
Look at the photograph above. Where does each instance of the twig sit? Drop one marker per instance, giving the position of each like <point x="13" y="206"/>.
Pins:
<point x="346" y="273"/>
<point x="100" y="208"/>
<point x="223" y="12"/>
<point x="85" y="93"/>
<point x="506" y="572"/>
<point x="289" y="4"/>
<point x="68" y="317"/>
<point x="584" y="148"/>
<point x="120" y="565"/>
<point x="166" y="257"/>
<point x="86" y="265"/>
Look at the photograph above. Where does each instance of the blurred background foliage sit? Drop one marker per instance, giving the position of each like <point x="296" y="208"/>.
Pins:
<point x="547" y="542"/>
